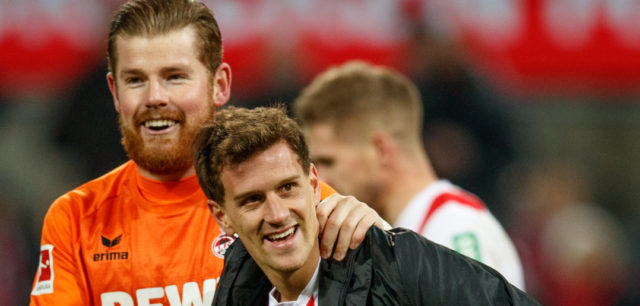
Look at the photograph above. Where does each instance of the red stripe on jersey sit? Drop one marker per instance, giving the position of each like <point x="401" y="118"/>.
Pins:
<point x="462" y="198"/>
<point x="311" y="302"/>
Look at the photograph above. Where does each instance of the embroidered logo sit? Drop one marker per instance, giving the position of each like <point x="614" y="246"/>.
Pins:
<point x="44" y="283"/>
<point x="221" y="244"/>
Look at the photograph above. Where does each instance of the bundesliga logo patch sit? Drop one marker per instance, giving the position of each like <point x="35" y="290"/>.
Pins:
<point x="221" y="244"/>
<point x="44" y="283"/>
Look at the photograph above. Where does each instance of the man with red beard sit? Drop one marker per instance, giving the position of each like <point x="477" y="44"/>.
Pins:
<point x="142" y="234"/>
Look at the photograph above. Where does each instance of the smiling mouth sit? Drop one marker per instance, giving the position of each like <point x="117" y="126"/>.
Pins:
<point x="282" y="235"/>
<point x="159" y="125"/>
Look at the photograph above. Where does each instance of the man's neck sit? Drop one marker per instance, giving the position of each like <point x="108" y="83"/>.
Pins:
<point x="290" y="285"/>
<point x="171" y="177"/>
<point x="406" y="180"/>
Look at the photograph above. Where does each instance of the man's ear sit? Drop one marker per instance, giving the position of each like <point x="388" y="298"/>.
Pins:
<point x="315" y="183"/>
<point x="384" y="145"/>
<point x="222" y="85"/>
<point x="220" y="216"/>
<point x="114" y="93"/>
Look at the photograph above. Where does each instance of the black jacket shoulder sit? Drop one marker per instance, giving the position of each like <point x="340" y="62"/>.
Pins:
<point x="397" y="267"/>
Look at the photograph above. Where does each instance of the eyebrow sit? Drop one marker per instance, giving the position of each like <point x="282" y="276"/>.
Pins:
<point x="131" y="71"/>
<point x="248" y="193"/>
<point x="176" y="68"/>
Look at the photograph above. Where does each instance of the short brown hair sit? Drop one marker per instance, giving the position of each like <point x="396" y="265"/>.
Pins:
<point x="234" y="135"/>
<point x="152" y="17"/>
<point x="358" y="98"/>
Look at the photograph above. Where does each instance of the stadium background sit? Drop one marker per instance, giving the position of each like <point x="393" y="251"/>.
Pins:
<point x="532" y="104"/>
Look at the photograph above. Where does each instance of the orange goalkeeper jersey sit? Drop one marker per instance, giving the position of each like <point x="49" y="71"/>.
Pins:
<point x="123" y="239"/>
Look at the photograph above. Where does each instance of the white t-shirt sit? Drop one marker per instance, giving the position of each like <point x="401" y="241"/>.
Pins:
<point x="310" y="291"/>
<point x="452" y="217"/>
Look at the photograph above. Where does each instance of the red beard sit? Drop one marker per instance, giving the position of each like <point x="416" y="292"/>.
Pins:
<point x="167" y="161"/>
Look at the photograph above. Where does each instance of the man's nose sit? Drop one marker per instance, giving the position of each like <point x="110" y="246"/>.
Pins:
<point x="157" y="95"/>
<point x="277" y="211"/>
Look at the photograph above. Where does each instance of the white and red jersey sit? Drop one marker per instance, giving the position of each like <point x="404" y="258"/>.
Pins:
<point x="457" y="219"/>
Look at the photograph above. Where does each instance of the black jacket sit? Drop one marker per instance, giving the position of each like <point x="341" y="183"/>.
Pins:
<point x="397" y="267"/>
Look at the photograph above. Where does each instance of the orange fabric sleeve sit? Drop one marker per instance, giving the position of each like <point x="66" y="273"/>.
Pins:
<point x="59" y="267"/>
<point x="326" y="190"/>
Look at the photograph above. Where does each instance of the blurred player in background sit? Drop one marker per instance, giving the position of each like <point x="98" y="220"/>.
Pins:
<point x="142" y="234"/>
<point x="363" y="126"/>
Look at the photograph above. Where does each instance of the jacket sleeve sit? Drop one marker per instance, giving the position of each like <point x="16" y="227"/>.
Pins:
<point x="433" y="274"/>
<point x="59" y="279"/>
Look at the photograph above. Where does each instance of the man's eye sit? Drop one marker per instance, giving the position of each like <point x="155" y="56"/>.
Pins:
<point x="251" y="199"/>
<point x="288" y="187"/>
<point x="176" y="77"/>
<point x="133" y="80"/>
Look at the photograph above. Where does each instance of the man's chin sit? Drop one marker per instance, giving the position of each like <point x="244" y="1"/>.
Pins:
<point x="162" y="162"/>
<point x="161" y="155"/>
<point x="164" y="167"/>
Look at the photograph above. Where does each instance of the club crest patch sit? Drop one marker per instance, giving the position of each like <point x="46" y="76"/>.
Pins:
<point x="221" y="244"/>
<point x="44" y="283"/>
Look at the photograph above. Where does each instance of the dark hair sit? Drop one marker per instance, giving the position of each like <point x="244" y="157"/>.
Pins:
<point x="152" y="17"/>
<point x="234" y="135"/>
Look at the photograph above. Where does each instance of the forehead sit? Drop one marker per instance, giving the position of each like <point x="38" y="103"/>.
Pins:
<point x="324" y="137"/>
<point x="262" y="170"/>
<point x="171" y="48"/>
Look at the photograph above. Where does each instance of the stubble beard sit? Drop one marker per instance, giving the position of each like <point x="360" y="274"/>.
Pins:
<point x="177" y="158"/>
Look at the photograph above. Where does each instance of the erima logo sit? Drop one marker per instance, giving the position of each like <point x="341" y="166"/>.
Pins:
<point x="110" y="255"/>
<point x="109" y="243"/>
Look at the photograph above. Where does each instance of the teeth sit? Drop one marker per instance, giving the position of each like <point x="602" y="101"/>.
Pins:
<point x="281" y="235"/>
<point x="159" y="123"/>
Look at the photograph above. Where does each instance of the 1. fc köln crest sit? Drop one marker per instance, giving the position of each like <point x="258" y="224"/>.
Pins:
<point x="220" y="244"/>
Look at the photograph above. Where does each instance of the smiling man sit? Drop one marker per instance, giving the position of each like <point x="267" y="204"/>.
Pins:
<point x="142" y="234"/>
<point x="254" y="167"/>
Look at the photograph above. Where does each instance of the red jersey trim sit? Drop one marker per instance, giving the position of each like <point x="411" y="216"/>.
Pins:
<point x="463" y="198"/>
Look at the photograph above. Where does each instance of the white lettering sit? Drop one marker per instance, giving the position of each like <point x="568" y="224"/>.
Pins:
<point x="191" y="294"/>
<point x="209" y="290"/>
<point x="144" y="295"/>
<point x="116" y="297"/>
<point x="173" y="295"/>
